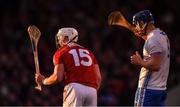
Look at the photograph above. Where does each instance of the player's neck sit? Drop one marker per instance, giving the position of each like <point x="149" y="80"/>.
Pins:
<point x="150" y="28"/>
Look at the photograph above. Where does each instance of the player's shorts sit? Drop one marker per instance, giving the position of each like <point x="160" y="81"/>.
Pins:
<point x="148" y="97"/>
<point x="76" y="94"/>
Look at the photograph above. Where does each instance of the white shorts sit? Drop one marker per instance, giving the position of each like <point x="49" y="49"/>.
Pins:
<point x="76" y="94"/>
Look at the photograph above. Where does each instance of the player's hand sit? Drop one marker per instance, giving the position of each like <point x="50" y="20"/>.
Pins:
<point x="136" y="59"/>
<point x="39" y="78"/>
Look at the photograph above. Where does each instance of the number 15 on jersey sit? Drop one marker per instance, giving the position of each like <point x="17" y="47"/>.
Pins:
<point x="78" y="59"/>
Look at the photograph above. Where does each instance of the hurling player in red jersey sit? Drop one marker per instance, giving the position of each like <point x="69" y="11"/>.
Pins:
<point x="77" y="67"/>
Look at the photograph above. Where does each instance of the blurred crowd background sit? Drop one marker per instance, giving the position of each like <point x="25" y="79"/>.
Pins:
<point x="111" y="45"/>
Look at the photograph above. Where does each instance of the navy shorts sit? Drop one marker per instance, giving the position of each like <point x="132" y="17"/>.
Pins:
<point x="148" y="97"/>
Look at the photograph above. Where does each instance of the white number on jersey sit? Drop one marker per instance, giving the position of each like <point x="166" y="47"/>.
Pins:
<point x="82" y="54"/>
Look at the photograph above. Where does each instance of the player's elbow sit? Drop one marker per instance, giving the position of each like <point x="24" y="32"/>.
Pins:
<point x="99" y="78"/>
<point x="98" y="74"/>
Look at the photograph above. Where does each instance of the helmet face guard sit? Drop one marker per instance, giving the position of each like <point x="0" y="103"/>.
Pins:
<point x="140" y="27"/>
<point x="144" y="16"/>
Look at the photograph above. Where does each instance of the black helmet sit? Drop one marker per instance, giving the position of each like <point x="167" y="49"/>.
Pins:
<point x="144" y="15"/>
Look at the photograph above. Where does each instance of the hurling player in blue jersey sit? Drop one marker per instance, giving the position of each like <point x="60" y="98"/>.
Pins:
<point x="154" y="73"/>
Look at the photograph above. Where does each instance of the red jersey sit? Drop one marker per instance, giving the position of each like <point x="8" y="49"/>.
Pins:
<point x="78" y="65"/>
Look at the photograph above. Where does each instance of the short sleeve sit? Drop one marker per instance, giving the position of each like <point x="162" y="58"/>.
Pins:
<point x="57" y="58"/>
<point x="154" y="45"/>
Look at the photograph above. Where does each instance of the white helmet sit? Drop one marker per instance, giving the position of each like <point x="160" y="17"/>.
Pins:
<point x="69" y="33"/>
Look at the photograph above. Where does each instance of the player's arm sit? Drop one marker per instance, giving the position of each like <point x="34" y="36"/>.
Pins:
<point x="57" y="75"/>
<point x="153" y="63"/>
<point x="97" y="70"/>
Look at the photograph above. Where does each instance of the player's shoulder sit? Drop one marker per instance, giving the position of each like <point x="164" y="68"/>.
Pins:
<point x="87" y="49"/>
<point x="156" y="34"/>
<point x="77" y="46"/>
<point x="61" y="51"/>
<point x="84" y="48"/>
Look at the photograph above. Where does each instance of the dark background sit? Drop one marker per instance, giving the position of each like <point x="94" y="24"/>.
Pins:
<point x="111" y="45"/>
